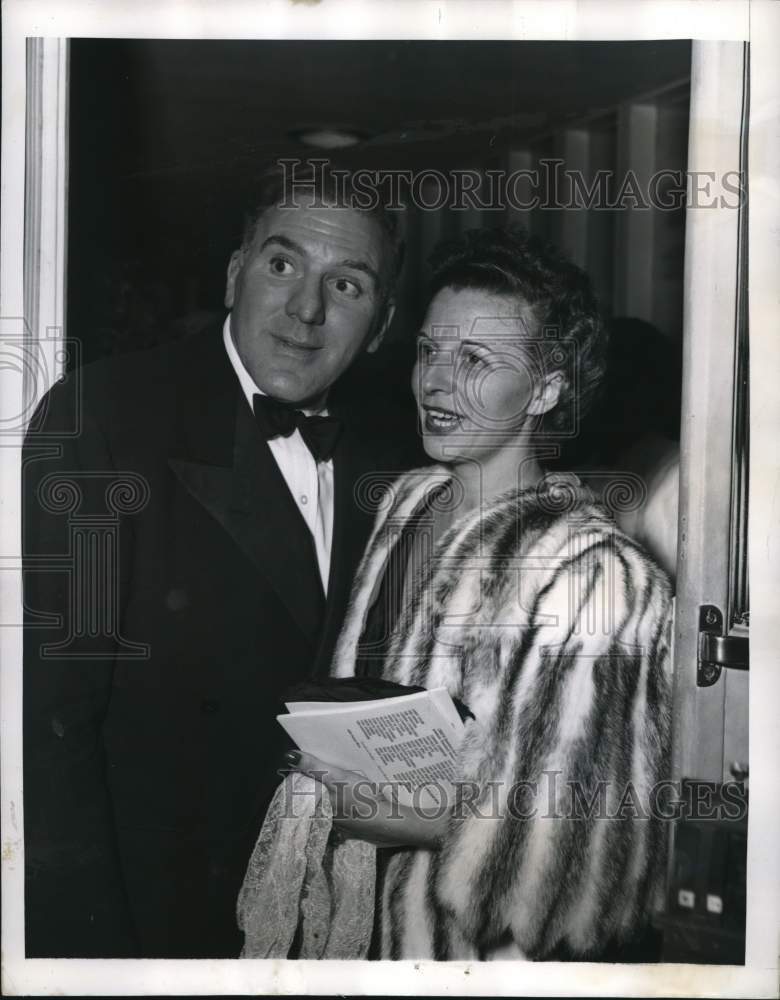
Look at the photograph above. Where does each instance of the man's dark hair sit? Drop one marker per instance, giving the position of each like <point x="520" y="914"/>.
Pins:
<point x="331" y="183"/>
<point x="570" y="336"/>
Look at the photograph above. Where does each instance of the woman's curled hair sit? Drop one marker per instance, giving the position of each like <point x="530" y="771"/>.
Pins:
<point x="570" y="336"/>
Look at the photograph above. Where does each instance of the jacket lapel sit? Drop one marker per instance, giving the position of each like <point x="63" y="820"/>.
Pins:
<point x="351" y="527"/>
<point x="227" y="466"/>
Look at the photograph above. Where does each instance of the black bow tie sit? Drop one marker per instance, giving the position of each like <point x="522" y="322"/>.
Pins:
<point x="278" y="419"/>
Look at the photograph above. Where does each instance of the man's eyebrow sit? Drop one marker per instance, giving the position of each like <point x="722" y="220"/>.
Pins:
<point x="360" y="265"/>
<point x="283" y="241"/>
<point x="288" y="244"/>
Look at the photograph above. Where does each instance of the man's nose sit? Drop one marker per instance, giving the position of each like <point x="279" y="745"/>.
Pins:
<point x="307" y="302"/>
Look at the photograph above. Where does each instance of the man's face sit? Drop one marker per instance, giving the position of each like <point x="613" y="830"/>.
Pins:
<point x="305" y="297"/>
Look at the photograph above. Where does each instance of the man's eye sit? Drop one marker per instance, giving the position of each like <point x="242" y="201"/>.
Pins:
<point x="280" y="265"/>
<point x="427" y="350"/>
<point x="345" y="286"/>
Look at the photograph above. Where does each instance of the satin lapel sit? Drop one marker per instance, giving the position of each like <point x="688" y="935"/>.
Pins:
<point x="351" y="528"/>
<point x="228" y="468"/>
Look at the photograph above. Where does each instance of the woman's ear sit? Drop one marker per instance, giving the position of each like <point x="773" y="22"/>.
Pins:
<point x="235" y="264"/>
<point x="548" y="394"/>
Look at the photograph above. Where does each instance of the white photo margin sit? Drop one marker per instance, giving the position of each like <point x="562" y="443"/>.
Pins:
<point x="32" y="285"/>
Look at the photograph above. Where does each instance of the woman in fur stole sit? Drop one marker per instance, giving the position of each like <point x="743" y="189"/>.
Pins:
<point x="514" y="589"/>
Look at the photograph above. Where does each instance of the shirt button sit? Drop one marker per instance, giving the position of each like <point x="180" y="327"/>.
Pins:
<point x="209" y="707"/>
<point x="304" y="499"/>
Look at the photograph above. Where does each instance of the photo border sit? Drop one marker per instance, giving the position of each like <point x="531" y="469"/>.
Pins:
<point x="757" y="21"/>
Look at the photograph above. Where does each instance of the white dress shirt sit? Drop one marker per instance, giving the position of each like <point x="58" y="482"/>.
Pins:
<point x="310" y="482"/>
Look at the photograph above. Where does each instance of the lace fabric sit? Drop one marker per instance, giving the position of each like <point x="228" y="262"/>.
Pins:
<point x="304" y="877"/>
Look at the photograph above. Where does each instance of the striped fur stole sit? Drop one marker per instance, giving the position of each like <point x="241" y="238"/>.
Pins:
<point x="553" y="627"/>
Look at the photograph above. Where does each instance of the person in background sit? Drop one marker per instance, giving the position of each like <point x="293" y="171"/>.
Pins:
<point x="628" y="446"/>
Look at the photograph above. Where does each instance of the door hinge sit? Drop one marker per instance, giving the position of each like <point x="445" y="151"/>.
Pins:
<point x="717" y="650"/>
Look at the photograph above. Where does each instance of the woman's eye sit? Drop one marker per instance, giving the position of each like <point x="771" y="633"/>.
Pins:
<point x="472" y="360"/>
<point x="282" y="266"/>
<point x="345" y="286"/>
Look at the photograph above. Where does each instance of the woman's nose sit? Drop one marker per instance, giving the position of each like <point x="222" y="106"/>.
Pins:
<point x="306" y="301"/>
<point x="436" y="373"/>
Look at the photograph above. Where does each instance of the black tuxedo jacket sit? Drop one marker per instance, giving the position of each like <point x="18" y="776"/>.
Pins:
<point x="172" y="594"/>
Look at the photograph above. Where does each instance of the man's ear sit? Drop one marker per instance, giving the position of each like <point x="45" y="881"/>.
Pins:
<point x="235" y="264"/>
<point x="548" y="394"/>
<point x="379" y="336"/>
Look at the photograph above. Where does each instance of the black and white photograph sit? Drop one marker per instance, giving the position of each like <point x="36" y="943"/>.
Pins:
<point x="389" y="477"/>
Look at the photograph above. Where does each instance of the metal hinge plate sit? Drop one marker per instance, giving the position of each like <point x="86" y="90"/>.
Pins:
<point x="716" y="650"/>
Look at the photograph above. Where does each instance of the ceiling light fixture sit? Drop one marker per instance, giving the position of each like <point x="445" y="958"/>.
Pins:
<point x="327" y="138"/>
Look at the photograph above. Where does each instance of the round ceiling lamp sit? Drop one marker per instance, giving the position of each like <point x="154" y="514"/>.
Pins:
<point x="321" y="137"/>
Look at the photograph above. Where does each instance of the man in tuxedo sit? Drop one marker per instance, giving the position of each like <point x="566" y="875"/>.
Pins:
<point x="191" y="529"/>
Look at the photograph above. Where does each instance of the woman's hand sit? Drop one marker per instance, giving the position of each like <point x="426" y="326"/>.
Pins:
<point x="362" y="812"/>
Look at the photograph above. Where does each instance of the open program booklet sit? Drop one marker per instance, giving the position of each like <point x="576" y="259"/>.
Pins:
<point x="409" y="743"/>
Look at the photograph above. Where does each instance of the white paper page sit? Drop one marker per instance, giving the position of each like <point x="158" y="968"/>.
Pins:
<point x="447" y="707"/>
<point x="311" y="707"/>
<point x="406" y="741"/>
<point x="440" y="696"/>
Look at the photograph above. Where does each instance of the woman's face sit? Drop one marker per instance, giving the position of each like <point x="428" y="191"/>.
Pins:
<point x="476" y="380"/>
